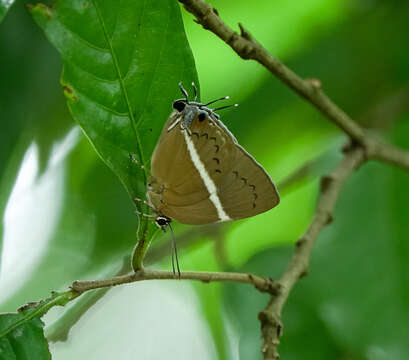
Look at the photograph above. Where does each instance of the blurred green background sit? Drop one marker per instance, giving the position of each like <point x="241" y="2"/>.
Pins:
<point x="66" y="216"/>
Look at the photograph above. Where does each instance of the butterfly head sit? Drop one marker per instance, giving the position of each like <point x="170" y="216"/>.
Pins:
<point x="189" y="110"/>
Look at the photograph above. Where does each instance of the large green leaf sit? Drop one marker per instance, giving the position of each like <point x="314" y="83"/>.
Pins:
<point x="122" y="64"/>
<point x="24" y="342"/>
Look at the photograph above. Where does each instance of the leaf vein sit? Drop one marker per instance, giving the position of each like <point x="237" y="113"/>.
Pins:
<point x="159" y="57"/>
<point x="123" y="88"/>
<point x="83" y="40"/>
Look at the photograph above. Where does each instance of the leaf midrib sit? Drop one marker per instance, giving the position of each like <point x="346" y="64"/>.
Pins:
<point x="122" y="85"/>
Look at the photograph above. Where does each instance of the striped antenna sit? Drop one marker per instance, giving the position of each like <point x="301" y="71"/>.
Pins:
<point x="184" y="92"/>
<point x="195" y="90"/>
<point x="225" y="107"/>
<point x="222" y="98"/>
<point x="174" y="252"/>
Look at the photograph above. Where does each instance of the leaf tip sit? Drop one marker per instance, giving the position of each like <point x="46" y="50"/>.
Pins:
<point x="40" y="10"/>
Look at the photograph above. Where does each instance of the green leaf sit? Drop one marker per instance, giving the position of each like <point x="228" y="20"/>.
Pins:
<point x="25" y="342"/>
<point x="122" y="64"/>
<point x="21" y="334"/>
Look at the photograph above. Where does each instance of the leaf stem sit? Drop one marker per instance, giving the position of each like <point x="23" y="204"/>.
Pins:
<point x="141" y="246"/>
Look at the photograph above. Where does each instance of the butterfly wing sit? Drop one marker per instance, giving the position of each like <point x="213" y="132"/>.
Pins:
<point x="176" y="187"/>
<point x="241" y="188"/>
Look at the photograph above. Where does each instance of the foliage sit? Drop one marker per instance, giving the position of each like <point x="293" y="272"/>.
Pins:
<point x="26" y="341"/>
<point x="69" y="217"/>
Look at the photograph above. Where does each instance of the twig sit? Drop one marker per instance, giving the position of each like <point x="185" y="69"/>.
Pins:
<point x="248" y="48"/>
<point x="262" y="284"/>
<point x="310" y="89"/>
<point x="331" y="184"/>
<point x="377" y="150"/>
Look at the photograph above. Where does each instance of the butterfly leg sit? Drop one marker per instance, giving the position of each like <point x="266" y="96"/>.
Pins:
<point x="150" y="216"/>
<point x="144" y="202"/>
<point x="135" y="161"/>
<point x="174" y="124"/>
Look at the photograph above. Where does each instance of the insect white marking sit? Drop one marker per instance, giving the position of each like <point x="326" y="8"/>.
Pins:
<point x="210" y="186"/>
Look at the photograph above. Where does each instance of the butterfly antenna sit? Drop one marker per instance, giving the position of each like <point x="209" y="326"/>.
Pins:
<point x="163" y="228"/>
<point x="225" y="107"/>
<point x="195" y="90"/>
<point x="174" y="252"/>
<point x="213" y="101"/>
<point x="184" y="92"/>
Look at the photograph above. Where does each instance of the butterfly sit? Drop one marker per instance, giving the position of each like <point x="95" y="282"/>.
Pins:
<point x="200" y="174"/>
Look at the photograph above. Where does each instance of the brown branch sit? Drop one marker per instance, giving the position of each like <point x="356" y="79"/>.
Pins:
<point x="377" y="150"/>
<point x="310" y="89"/>
<point x="262" y="284"/>
<point x="248" y="48"/>
<point x="331" y="184"/>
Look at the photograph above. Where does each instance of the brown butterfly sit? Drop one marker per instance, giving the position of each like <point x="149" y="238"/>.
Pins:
<point x="199" y="172"/>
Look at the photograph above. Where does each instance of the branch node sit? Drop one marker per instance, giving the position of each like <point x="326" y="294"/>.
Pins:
<point x="348" y="146"/>
<point x="325" y="182"/>
<point x="267" y="285"/>
<point x="316" y="83"/>
<point x="244" y="33"/>
<point x="300" y="242"/>
<point x="304" y="272"/>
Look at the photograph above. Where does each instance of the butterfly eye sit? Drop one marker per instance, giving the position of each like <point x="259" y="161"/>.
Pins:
<point x="202" y="117"/>
<point x="179" y="105"/>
